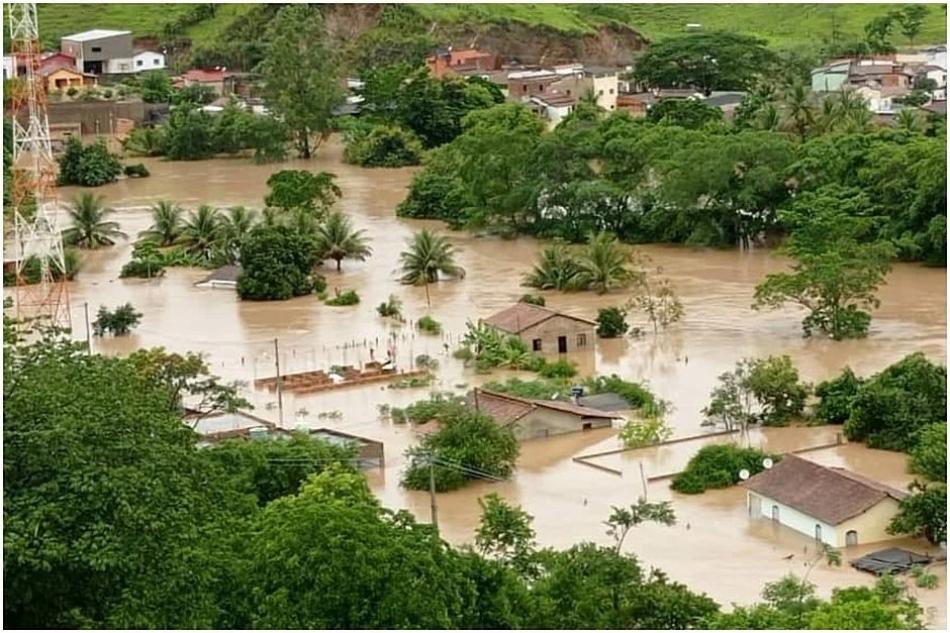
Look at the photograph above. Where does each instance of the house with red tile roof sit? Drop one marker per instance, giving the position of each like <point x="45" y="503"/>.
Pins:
<point x="546" y="331"/>
<point x="835" y="506"/>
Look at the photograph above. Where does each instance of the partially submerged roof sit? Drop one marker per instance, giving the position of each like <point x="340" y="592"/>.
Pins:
<point x="506" y="408"/>
<point x="224" y="275"/>
<point x="607" y="401"/>
<point x="831" y="495"/>
<point x="890" y="561"/>
<point x="95" y="34"/>
<point x="522" y="316"/>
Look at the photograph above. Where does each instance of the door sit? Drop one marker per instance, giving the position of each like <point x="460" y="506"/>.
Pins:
<point x="562" y="345"/>
<point x="817" y="532"/>
<point x="536" y="345"/>
<point x="775" y="513"/>
<point x="851" y="538"/>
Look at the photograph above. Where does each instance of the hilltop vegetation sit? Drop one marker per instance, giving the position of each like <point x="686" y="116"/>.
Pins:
<point x="781" y="25"/>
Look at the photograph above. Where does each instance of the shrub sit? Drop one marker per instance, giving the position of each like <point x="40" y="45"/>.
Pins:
<point x="382" y="146"/>
<point x="429" y="325"/>
<point x="147" y="261"/>
<point x="539" y="389"/>
<point x="118" y="322"/>
<point x="636" y="395"/>
<point x="72" y="91"/>
<point x="929" y="456"/>
<point x="836" y="396"/>
<point x="646" y="432"/>
<point x="424" y="361"/>
<point x="611" y="322"/>
<point x="88" y="166"/>
<point x="391" y="308"/>
<point x="923" y="513"/>
<point x="348" y="298"/>
<point x="536" y="300"/>
<point x="718" y="466"/>
<point x="559" y="369"/>
<point x="136" y="171"/>
<point x="466" y="445"/>
<point x="31" y="269"/>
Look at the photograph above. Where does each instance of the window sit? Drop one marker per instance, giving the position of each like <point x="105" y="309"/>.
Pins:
<point x="524" y="87"/>
<point x="611" y="91"/>
<point x="851" y="538"/>
<point x="536" y="345"/>
<point x="600" y="93"/>
<point x="775" y="513"/>
<point x="96" y="49"/>
<point x="138" y="62"/>
<point x="540" y="87"/>
<point x="155" y="62"/>
<point x="581" y="340"/>
<point x="817" y="532"/>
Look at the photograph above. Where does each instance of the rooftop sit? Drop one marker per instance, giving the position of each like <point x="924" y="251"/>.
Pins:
<point x="95" y="34"/>
<point x="522" y="316"/>
<point x="831" y="495"/>
<point x="506" y="408"/>
<point x="556" y="100"/>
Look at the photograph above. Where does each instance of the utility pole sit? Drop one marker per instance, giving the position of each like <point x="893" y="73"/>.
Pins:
<point x="643" y="480"/>
<point x="435" y="515"/>
<point x="280" y="389"/>
<point x="88" y="337"/>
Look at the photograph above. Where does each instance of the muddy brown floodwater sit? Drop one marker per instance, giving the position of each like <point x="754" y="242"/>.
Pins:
<point x="714" y="547"/>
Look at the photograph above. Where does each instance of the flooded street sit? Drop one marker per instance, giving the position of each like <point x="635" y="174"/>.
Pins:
<point x="714" y="547"/>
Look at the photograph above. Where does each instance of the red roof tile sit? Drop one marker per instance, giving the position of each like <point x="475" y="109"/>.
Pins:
<point x="522" y="316"/>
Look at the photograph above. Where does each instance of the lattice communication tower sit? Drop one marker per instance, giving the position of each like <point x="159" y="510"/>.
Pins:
<point x="36" y="227"/>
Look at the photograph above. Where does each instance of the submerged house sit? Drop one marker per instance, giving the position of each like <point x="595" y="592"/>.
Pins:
<point x="530" y="419"/>
<point x="545" y="331"/>
<point x="836" y="506"/>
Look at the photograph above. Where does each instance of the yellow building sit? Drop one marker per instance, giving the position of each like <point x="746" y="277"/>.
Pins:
<point x="64" y="78"/>
<point x="836" y="506"/>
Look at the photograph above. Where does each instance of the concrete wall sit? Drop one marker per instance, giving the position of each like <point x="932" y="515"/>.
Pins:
<point x="872" y="525"/>
<point x="606" y="90"/>
<point x="148" y="60"/>
<point x="99" y="117"/>
<point x="827" y="82"/>
<point x="549" y="331"/>
<point x="545" y="422"/>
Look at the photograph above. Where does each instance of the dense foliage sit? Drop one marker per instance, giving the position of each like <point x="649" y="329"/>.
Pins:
<point x="891" y="408"/>
<point x="381" y="146"/>
<point x="87" y="165"/>
<point x="468" y="445"/>
<point x="117" y="322"/>
<point x="718" y="185"/>
<point x="276" y="263"/>
<point x="718" y="466"/>
<point x="193" y="134"/>
<point x="835" y="397"/>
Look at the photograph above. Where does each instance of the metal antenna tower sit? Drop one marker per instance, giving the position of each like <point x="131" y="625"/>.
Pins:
<point x="36" y="232"/>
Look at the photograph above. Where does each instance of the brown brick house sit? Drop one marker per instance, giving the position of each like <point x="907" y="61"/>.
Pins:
<point x="545" y="331"/>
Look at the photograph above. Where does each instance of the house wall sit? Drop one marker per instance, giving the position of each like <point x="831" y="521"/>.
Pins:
<point x="148" y="60"/>
<point x="549" y="331"/>
<point x="546" y="422"/>
<point x="64" y="79"/>
<point x="761" y="507"/>
<point x="872" y="525"/>
<point x="827" y="82"/>
<point x="523" y="89"/>
<point x="99" y="117"/>
<point x="606" y="90"/>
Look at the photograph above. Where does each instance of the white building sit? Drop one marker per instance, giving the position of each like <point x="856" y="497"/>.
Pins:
<point x="9" y="67"/>
<point x="100" y="51"/>
<point x="143" y="60"/>
<point x="553" y="108"/>
<point x="833" y="505"/>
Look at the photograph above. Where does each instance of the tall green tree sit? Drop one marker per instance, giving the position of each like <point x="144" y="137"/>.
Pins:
<point x="301" y="74"/>
<point x="837" y="264"/>
<point x="276" y="264"/>
<point x="234" y="227"/>
<point x="427" y="256"/>
<point x="337" y="239"/>
<point x="708" y="61"/>
<point x="298" y="189"/>
<point x="604" y="264"/>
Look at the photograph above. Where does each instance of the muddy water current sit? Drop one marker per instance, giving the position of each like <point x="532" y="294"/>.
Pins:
<point x="714" y="547"/>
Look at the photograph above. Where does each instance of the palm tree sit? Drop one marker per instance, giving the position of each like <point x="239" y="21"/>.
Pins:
<point x="201" y="233"/>
<point x="337" y="239"/>
<point x="166" y="223"/>
<point x="556" y="269"/>
<point x="909" y="120"/>
<point x="234" y="227"/>
<point x="604" y="264"/>
<point x="799" y="110"/>
<point x="768" y="118"/>
<point x="90" y="229"/>
<point x="428" y="255"/>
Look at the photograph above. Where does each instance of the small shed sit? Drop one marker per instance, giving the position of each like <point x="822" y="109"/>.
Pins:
<point x="544" y="330"/>
<point x="224" y="277"/>
<point x="836" y="506"/>
<point x="530" y="419"/>
<point x="892" y="560"/>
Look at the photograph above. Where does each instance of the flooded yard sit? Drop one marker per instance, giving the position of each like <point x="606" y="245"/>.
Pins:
<point x="714" y="546"/>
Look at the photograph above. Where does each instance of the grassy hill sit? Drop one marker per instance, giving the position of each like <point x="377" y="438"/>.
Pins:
<point x="780" y="24"/>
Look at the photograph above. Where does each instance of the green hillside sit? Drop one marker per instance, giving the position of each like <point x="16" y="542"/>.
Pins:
<point x="780" y="24"/>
